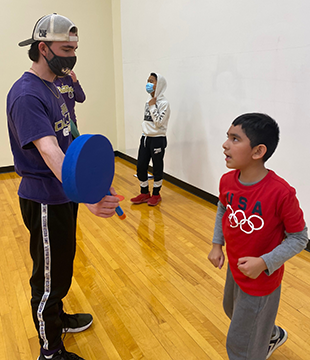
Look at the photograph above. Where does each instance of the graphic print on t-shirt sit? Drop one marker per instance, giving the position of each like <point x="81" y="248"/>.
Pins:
<point x="147" y="115"/>
<point x="238" y="217"/>
<point x="247" y="225"/>
<point x="64" y="123"/>
<point x="66" y="89"/>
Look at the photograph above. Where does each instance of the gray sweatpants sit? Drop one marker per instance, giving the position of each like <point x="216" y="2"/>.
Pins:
<point x="252" y="321"/>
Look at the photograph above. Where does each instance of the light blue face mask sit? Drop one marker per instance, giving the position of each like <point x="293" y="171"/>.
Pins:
<point x="149" y="87"/>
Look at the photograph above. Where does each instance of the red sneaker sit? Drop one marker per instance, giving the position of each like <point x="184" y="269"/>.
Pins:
<point x="140" y="199"/>
<point x="154" y="200"/>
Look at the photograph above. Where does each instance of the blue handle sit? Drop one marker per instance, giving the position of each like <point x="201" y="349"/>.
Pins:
<point x="119" y="211"/>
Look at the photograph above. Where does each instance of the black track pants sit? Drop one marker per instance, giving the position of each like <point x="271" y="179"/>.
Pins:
<point x="52" y="247"/>
<point x="151" y="148"/>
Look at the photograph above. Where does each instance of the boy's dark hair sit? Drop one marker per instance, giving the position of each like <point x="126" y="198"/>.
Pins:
<point x="260" y="129"/>
<point x="34" y="52"/>
<point x="153" y="74"/>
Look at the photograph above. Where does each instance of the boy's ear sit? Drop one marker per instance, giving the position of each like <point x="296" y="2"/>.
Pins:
<point x="259" y="151"/>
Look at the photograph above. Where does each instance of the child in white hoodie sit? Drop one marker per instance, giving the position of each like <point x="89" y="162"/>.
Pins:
<point x="153" y="141"/>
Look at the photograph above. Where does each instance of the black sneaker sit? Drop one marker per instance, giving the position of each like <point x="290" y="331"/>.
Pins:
<point x="75" y="323"/>
<point x="62" y="355"/>
<point x="277" y="341"/>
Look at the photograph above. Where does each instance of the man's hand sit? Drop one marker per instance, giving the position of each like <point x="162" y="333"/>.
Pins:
<point x="251" y="267"/>
<point x="152" y="101"/>
<point x="216" y="256"/>
<point x="105" y="208"/>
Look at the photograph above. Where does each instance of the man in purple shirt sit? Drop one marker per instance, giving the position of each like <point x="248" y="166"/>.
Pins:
<point x="40" y="134"/>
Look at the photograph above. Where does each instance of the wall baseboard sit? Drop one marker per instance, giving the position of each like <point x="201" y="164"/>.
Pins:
<point x="181" y="184"/>
<point x="6" y="169"/>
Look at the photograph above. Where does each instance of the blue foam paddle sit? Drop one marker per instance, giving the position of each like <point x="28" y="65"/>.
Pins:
<point x="88" y="170"/>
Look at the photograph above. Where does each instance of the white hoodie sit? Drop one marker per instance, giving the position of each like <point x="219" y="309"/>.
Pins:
<point x="156" y="116"/>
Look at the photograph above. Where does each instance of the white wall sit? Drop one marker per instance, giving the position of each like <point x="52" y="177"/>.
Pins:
<point x="99" y="55"/>
<point x="221" y="58"/>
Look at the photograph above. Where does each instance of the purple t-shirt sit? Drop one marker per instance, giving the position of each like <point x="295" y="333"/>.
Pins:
<point x="72" y="92"/>
<point x="34" y="112"/>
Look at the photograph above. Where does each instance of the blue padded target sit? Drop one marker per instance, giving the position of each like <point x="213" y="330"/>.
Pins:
<point x="88" y="169"/>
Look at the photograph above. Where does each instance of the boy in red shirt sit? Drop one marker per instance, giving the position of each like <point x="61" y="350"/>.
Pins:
<point x="257" y="210"/>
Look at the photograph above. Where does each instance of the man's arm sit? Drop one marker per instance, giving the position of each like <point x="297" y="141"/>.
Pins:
<point x="51" y="153"/>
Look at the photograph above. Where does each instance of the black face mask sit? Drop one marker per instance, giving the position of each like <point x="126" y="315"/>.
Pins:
<point x="61" y="65"/>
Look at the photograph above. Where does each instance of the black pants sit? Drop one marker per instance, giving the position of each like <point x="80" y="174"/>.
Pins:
<point x="151" y="148"/>
<point x="52" y="248"/>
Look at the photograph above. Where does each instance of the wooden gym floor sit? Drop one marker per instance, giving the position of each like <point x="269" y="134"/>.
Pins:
<point x="146" y="281"/>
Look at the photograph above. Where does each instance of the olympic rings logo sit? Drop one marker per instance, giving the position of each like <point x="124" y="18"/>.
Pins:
<point x="234" y="221"/>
